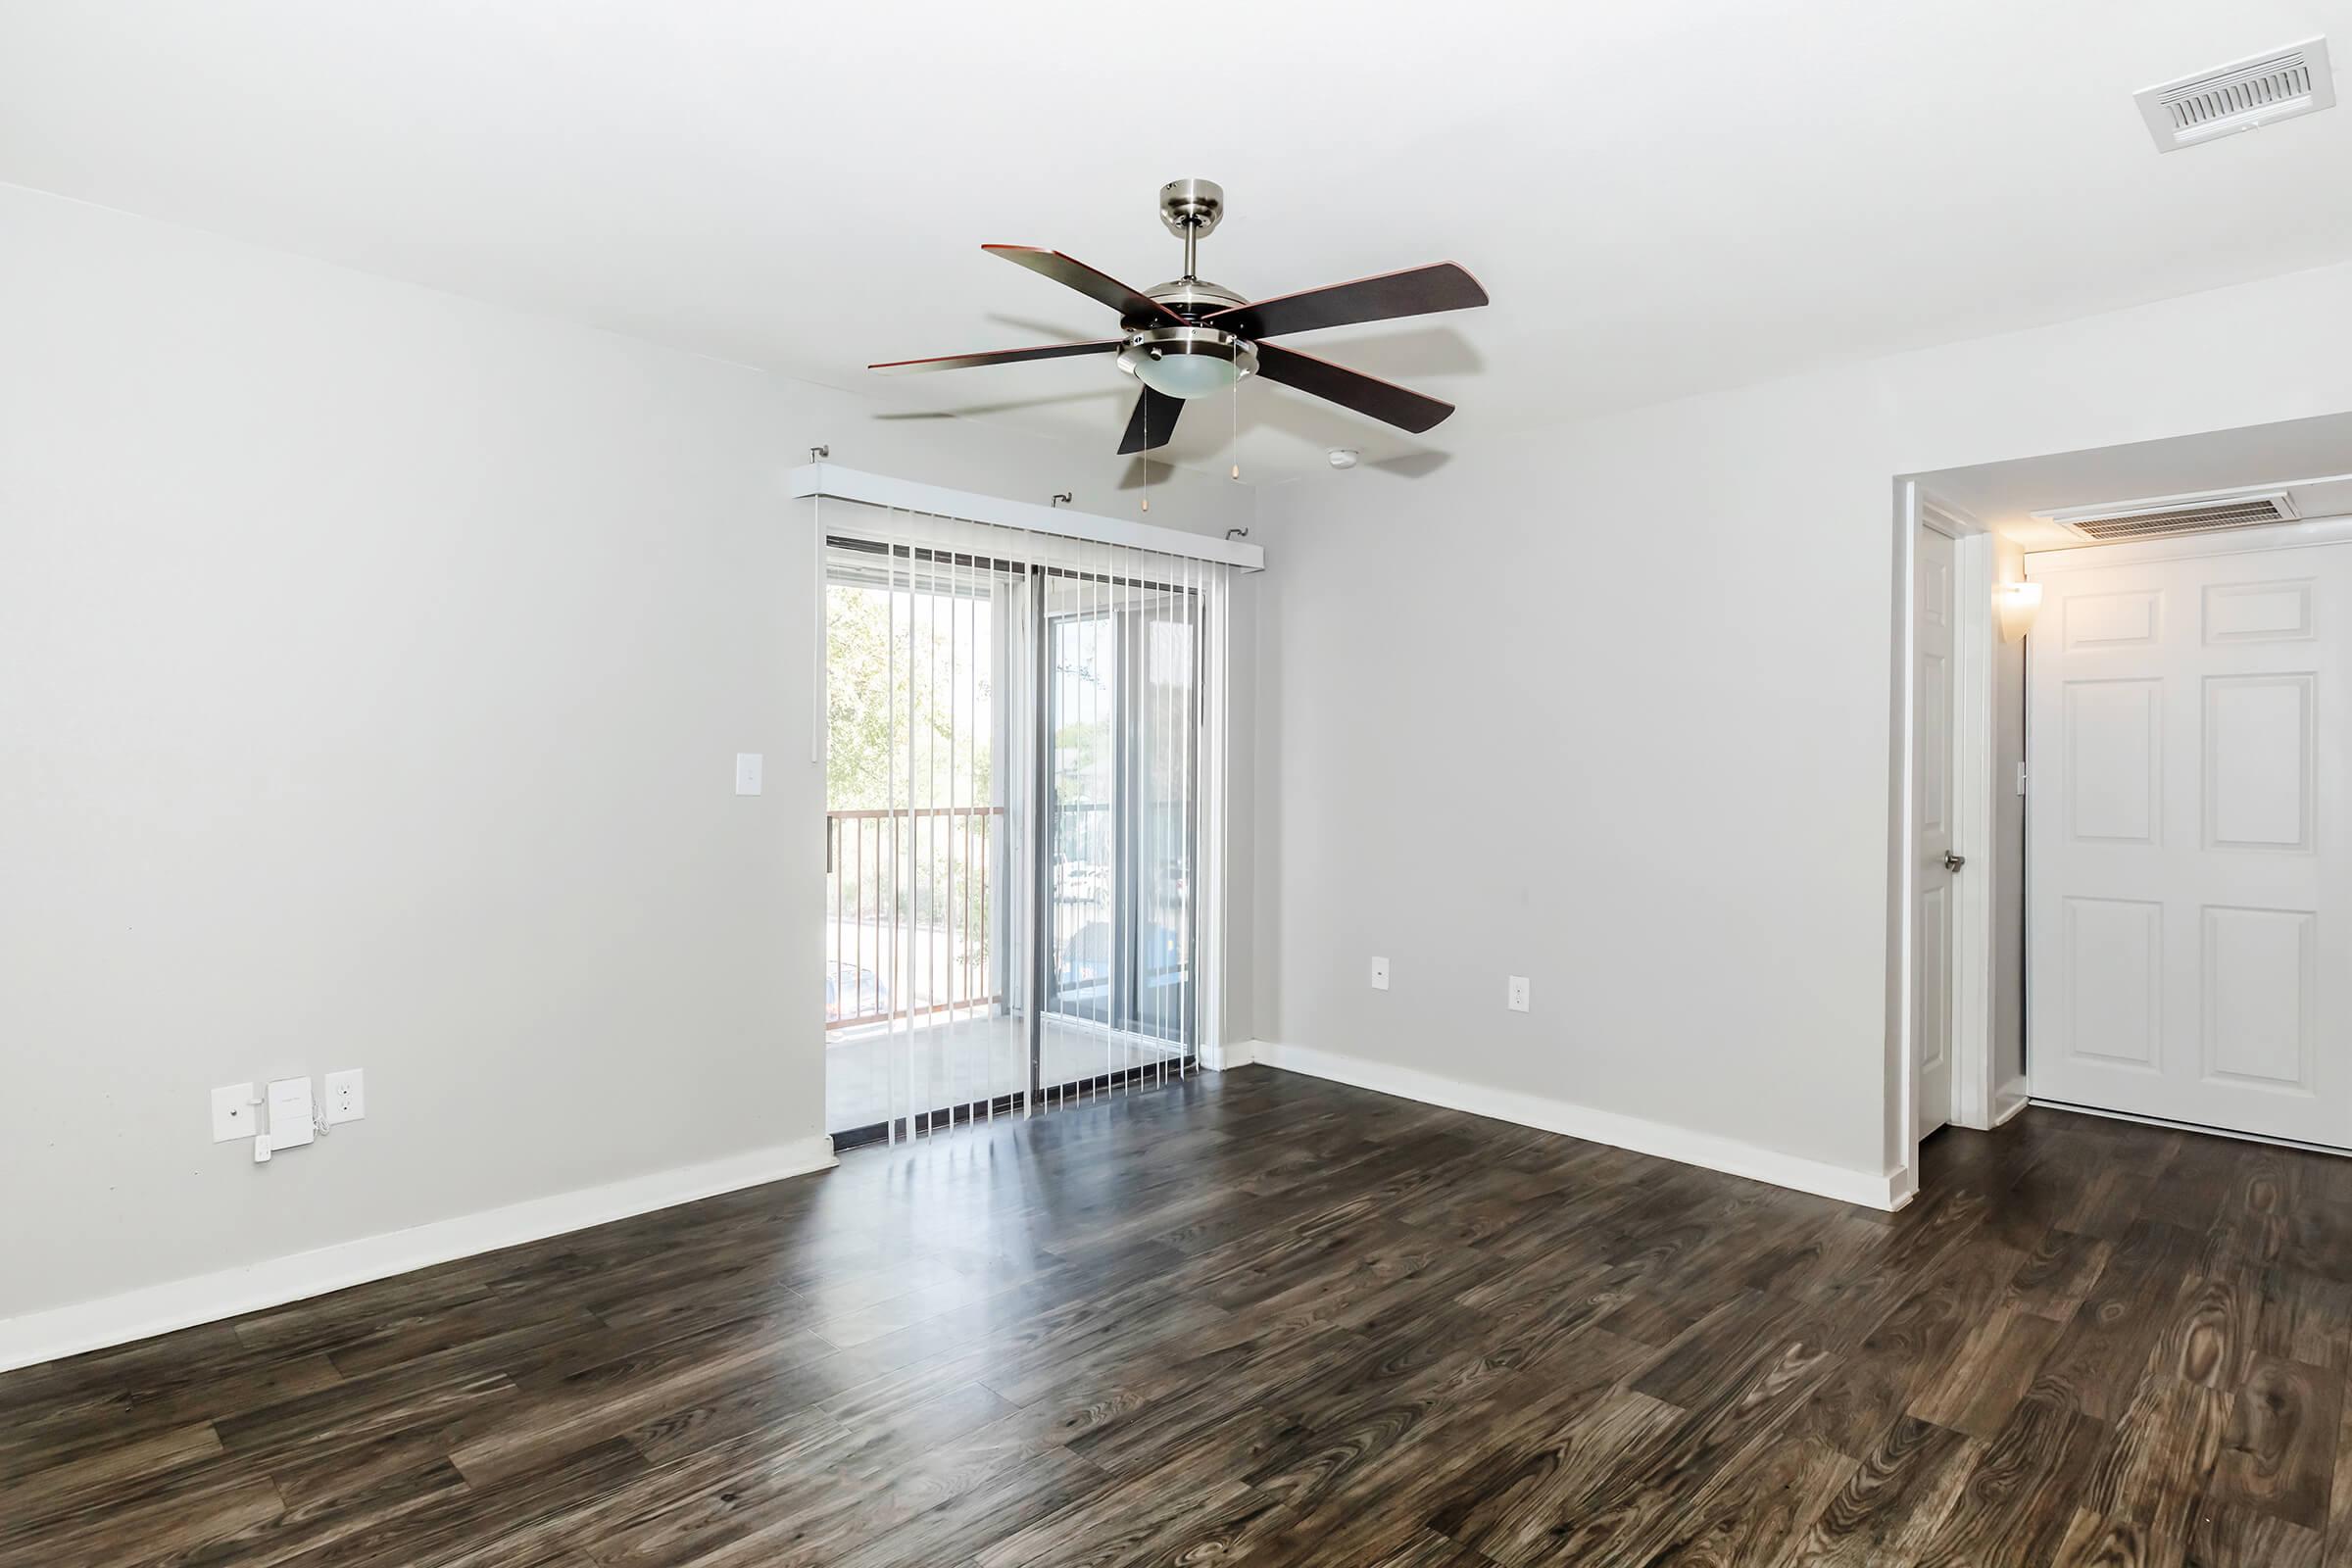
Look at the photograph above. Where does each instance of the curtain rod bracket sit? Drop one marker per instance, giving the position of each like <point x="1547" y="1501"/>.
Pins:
<point x="1060" y="496"/>
<point x="815" y="453"/>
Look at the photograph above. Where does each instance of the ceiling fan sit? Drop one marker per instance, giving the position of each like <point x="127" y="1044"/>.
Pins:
<point x="1189" y="338"/>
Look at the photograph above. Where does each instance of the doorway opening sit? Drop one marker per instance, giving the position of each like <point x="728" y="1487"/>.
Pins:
<point x="2165" y="764"/>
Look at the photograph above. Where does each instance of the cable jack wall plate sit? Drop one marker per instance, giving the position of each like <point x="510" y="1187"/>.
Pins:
<point x="233" y="1107"/>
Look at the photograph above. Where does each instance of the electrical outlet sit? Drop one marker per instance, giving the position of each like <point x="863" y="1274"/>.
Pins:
<point x="346" y="1095"/>
<point x="233" y="1114"/>
<point x="1516" y="997"/>
<point x="1380" y="974"/>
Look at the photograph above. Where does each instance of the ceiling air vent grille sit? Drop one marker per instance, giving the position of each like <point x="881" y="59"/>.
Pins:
<point x="2245" y="95"/>
<point x="2154" y="520"/>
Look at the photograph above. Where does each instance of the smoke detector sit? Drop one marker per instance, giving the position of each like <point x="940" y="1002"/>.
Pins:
<point x="2166" y="516"/>
<point x="2245" y="95"/>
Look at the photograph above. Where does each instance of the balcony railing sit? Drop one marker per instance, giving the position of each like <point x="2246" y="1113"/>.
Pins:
<point x="910" y="900"/>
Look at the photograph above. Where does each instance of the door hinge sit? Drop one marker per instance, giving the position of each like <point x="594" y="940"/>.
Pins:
<point x="2020" y="779"/>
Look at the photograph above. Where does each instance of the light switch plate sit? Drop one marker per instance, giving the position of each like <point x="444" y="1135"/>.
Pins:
<point x="233" y="1114"/>
<point x="346" y="1095"/>
<point x="289" y="1112"/>
<point x="749" y="766"/>
<point x="1516" y="996"/>
<point x="1380" y="974"/>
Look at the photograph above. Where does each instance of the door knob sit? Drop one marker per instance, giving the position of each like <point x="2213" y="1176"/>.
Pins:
<point x="1953" y="862"/>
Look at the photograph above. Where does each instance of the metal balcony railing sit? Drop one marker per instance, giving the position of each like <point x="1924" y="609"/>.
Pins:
<point x="909" y="898"/>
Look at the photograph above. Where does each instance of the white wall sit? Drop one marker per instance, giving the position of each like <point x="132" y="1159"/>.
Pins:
<point x="374" y="659"/>
<point x="1609" y="704"/>
<point x="374" y="664"/>
<point x="1587" y="709"/>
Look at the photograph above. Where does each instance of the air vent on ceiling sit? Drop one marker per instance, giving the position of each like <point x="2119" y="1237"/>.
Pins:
<point x="2156" y="519"/>
<point x="2245" y="95"/>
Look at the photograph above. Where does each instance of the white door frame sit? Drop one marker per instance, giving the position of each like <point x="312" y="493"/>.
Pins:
<point x="1975" y="633"/>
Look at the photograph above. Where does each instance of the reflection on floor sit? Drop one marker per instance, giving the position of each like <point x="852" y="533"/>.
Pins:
<point x="874" y="1073"/>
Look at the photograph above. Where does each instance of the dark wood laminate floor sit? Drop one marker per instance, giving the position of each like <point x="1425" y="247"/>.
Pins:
<point x="1265" y="1320"/>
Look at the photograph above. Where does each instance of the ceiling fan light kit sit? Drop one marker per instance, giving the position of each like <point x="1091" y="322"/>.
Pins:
<point x="1187" y="362"/>
<point x="1191" y="337"/>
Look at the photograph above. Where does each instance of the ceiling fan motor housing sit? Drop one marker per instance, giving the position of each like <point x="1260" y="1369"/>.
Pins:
<point x="1191" y="298"/>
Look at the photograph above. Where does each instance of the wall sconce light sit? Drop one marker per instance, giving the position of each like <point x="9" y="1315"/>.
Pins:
<point x="2019" y="603"/>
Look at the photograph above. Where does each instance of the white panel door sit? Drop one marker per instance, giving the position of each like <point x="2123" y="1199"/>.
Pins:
<point x="1934" y="935"/>
<point x="2186" y="826"/>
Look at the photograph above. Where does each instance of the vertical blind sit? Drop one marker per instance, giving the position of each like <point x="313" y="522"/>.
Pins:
<point x="1024" y="749"/>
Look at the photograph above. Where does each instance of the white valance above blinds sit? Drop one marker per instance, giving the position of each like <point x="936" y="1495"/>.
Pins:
<point x="905" y="496"/>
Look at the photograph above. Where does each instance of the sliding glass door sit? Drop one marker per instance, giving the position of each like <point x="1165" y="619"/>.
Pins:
<point x="1013" y="742"/>
<point x="1121" y="790"/>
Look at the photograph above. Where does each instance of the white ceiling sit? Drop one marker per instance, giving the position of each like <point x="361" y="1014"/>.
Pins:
<point x="1661" y="197"/>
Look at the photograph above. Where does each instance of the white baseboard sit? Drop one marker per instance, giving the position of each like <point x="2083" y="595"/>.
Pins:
<point x="2008" y="1100"/>
<point x="1232" y="1053"/>
<point x="139" y="1314"/>
<point x="1873" y="1190"/>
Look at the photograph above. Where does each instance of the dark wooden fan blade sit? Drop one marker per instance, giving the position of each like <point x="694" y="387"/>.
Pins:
<point x="1417" y="292"/>
<point x="1352" y="389"/>
<point x="960" y="362"/>
<point x="1135" y="307"/>
<point x="1153" y="422"/>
